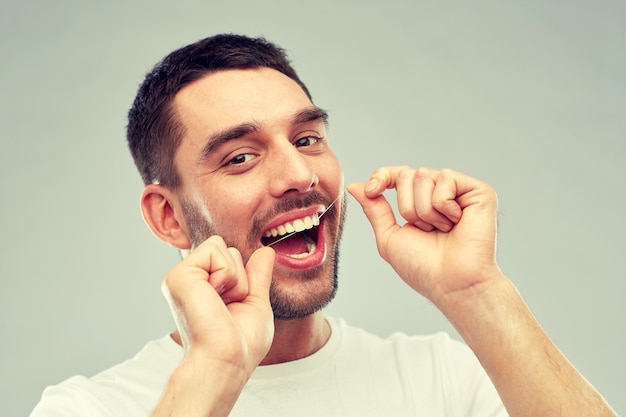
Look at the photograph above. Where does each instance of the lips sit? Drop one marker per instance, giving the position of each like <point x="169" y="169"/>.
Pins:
<point x="297" y="241"/>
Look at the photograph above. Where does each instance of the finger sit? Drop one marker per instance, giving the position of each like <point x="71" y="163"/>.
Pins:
<point x="190" y="295"/>
<point x="259" y="269"/>
<point x="401" y="178"/>
<point x="473" y="192"/>
<point x="425" y="183"/>
<point x="378" y="212"/>
<point x="223" y="265"/>
<point x="405" y="195"/>
<point x="235" y="286"/>
<point x="259" y="324"/>
<point x="383" y="179"/>
<point x="209" y="255"/>
<point x="193" y="269"/>
<point x="445" y="194"/>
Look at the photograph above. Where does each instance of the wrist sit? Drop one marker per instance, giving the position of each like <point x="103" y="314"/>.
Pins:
<point x="478" y="310"/>
<point x="202" y="386"/>
<point x="201" y="366"/>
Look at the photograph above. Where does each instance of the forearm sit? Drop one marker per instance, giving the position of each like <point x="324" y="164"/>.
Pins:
<point x="531" y="375"/>
<point x="199" y="388"/>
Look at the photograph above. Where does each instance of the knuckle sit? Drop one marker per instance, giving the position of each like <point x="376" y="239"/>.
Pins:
<point x="440" y="203"/>
<point x="229" y="273"/>
<point x="380" y="173"/>
<point x="447" y="173"/>
<point x="216" y="240"/>
<point x="423" y="172"/>
<point x="408" y="213"/>
<point x="235" y="254"/>
<point x="406" y="207"/>
<point x="405" y="171"/>
<point x="424" y="211"/>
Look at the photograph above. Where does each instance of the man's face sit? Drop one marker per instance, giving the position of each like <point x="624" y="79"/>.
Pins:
<point x="255" y="162"/>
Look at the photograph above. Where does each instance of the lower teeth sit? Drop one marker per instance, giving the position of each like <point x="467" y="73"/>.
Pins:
<point x="310" y="247"/>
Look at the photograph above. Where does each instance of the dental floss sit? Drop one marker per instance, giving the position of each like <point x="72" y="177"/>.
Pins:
<point x="320" y="216"/>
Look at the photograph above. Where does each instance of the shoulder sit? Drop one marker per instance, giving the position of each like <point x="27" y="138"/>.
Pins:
<point x="134" y="385"/>
<point x="432" y="366"/>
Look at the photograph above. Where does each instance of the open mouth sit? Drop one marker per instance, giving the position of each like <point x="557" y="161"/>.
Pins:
<point x="297" y="238"/>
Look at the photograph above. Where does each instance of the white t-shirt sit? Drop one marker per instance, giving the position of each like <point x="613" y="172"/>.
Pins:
<point x="354" y="374"/>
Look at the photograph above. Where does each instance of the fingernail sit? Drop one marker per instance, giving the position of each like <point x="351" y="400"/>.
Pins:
<point x="371" y="185"/>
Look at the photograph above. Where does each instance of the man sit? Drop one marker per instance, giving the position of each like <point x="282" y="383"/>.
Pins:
<point x="240" y="177"/>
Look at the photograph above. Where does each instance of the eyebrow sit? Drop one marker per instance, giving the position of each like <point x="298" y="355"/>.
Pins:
<point x="310" y="115"/>
<point x="238" y="131"/>
<point x="227" y="135"/>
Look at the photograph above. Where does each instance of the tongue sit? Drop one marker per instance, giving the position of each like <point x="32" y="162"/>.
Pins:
<point x="291" y="246"/>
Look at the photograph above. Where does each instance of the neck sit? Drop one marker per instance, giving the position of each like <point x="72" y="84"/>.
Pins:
<point x="297" y="339"/>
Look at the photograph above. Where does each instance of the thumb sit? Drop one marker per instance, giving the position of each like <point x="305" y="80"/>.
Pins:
<point x="259" y="270"/>
<point x="377" y="210"/>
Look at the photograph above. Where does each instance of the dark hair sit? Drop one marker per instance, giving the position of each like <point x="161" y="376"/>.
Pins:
<point x="154" y="131"/>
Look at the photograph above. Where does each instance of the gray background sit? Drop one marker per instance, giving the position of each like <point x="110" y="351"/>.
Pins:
<point x="529" y="96"/>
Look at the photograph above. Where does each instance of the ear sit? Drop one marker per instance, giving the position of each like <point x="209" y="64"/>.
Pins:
<point x="162" y="212"/>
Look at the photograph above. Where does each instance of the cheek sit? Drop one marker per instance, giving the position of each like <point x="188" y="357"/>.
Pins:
<point x="332" y="175"/>
<point x="234" y="208"/>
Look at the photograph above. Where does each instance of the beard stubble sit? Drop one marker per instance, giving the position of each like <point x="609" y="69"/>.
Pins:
<point x="315" y="288"/>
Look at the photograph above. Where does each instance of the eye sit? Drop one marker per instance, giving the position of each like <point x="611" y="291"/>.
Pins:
<point x="241" y="159"/>
<point x="306" y="141"/>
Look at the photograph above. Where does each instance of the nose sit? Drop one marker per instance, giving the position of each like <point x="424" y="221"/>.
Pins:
<point x="291" y="171"/>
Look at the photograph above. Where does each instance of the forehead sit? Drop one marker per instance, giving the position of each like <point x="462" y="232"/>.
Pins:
<point x="231" y="97"/>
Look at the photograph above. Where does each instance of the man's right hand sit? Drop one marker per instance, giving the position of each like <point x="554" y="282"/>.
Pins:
<point x="225" y="322"/>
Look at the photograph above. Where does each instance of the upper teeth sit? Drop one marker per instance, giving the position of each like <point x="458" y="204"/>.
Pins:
<point x="297" y="225"/>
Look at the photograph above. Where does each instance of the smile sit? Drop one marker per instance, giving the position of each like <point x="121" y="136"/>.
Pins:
<point x="298" y="225"/>
<point x="295" y="239"/>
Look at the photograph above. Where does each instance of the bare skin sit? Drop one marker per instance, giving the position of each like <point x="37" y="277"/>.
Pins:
<point x="220" y="292"/>
<point x="446" y="252"/>
<point x="443" y="248"/>
<point x="217" y="372"/>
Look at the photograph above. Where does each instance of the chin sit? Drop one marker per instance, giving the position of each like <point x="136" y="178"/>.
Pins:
<point x="305" y="295"/>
